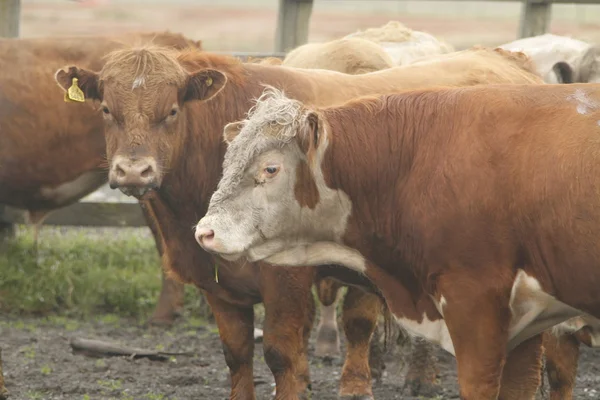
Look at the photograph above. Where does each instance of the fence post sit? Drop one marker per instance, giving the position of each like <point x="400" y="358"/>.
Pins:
<point x="535" y="18"/>
<point x="292" y="24"/>
<point x="10" y="15"/>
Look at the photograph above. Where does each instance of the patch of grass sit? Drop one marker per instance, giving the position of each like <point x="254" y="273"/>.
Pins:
<point x="35" y="395"/>
<point x="46" y="369"/>
<point x="78" y="272"/>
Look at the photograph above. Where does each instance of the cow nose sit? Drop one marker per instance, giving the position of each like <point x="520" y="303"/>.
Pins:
<point x="134" y="174"/>
<point x="205" y="237"/>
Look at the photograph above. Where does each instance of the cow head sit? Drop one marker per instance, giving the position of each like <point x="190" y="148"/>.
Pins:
<point x="142" y="94"/>
<point x="273" y="196"/>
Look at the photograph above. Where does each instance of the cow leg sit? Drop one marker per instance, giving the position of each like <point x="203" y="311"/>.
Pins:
<point x="236" y="329"/>
<point x="360" y="313"/>
<point x="289" y="316"/>
<point x="477" y="322"/>
<point x="3" y="391"/>
<point x="421" y="378"/>
<point x="562" y="355"/>
<point x="327" y="343"/>
<point x="522" y="373"/>
<point x="170" y="300"/>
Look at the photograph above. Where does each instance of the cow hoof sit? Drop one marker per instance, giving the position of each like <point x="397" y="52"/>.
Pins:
<point x="163" y="321"/>
<point x="418" y="387"/>
<point x="4" y="393"/>
<point x="357" y="397"/>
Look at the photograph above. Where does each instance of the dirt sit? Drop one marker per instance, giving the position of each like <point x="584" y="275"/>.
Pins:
<point x="39" y="364"/>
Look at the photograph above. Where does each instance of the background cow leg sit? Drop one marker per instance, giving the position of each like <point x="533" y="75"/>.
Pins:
<point x="170" y="301"/>
<point x="421" y="377"/>
<point x="562" y="355"/>
<point x="327" y="342"/>
<point x="236" y="329"/>
<point x="289" y="316"/>
<point x="3" y="391"/>
<point x="522" y="373"/>
<point x="360" y="313"/>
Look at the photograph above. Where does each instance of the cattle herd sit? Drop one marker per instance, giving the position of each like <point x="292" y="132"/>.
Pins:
<point x="452" y="192"/>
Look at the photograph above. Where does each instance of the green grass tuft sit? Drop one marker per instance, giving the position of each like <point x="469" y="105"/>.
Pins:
<point x="78" y="272"/>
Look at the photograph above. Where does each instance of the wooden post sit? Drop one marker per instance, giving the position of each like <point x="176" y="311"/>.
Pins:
<point x="7" y="230"/>
<point x="535" y="18"/>
<point x="292" y="24"/>
<point x="10" y="15"/>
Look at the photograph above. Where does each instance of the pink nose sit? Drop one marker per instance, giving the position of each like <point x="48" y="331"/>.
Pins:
<point x="205" y="237"/>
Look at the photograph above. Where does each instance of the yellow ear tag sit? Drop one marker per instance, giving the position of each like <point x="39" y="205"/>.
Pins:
<point x="208" y="81"/>
<point x="74" y="93"/>
<point x="216" y="272"/>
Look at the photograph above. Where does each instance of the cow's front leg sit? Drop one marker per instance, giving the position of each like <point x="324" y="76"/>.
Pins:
<point x="360" y="313"/>
<point x="562" y="355"/>
<point x="236" y="329"/>
<point x="3" y="391"/>
<point x="421" y="378"/>
<point x="477" y="316"/>
<point x="289" y="316"/>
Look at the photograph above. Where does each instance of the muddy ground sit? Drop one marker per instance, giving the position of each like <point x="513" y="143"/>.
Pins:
<point x="39" y="364"/>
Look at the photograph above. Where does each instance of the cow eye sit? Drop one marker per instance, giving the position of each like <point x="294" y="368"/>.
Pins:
<point x="105" y="110"/>
<point x="271" y="170"/>
<point x="173" y="112"/>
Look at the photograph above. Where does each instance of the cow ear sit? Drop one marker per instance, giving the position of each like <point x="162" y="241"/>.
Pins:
<point x="310" y="134"/>
<point x="563" y="71"/>
<point x="72" y="78"/>
<point x="231" y="130"/>
<point x="204" y="84"/>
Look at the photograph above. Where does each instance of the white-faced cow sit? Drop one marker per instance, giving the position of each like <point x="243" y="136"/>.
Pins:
<point x="475" y="211"/>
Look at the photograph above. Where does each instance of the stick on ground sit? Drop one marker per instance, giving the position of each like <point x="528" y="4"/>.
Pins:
<point x="99" y="348"/>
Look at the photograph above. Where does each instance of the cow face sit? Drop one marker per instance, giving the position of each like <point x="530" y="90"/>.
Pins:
<point x="272" y="196"/>
<point x="142" y="95"/>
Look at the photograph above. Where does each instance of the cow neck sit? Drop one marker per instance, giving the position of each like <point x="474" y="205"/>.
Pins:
<point x="380" y="152"/>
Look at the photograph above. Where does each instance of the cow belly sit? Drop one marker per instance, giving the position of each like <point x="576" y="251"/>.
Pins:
<point x="533" y="310"/>
<point x="434" y="331"/>
<point x="73" y="190"/>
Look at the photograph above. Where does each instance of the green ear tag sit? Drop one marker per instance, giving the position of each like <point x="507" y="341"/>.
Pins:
<point x="74" y="93"/>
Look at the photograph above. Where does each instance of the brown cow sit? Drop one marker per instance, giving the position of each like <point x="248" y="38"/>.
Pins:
<point x="162" y="135"/>
<point x="474" y="210"/>
<point x="53" y="155"/>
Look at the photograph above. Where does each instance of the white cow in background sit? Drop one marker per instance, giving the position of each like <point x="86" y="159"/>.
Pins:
<point x="560" y="59"/>
<point x="403" y="44"/>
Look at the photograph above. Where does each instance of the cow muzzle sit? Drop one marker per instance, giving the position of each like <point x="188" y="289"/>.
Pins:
<point x="134" y="177"/>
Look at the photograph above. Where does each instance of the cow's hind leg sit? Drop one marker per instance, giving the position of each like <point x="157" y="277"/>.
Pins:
<point x="170" y="301"/>
<point x="562" y="356"/>
<point x="522" y="373"/>
<point x="289" y="316"/>
<point x="360" y="313"/>
<point x="236" y="329"/>
<point x="327" y="343"/>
